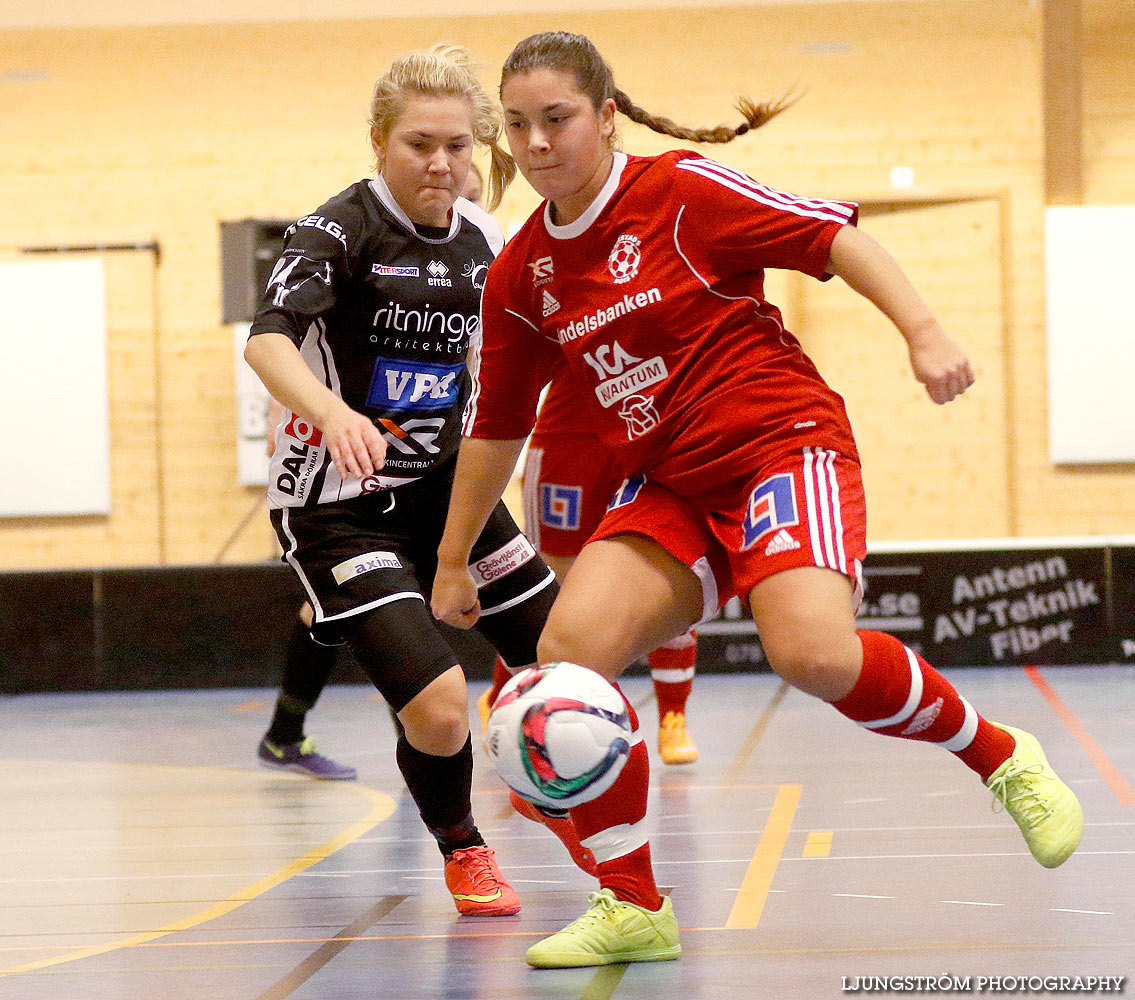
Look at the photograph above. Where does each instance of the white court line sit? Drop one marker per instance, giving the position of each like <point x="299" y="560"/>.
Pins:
<point x="920" y="857"/>
<point x="968" y="902"/>
<point x="1064" y="909"/>
<point x="860" y="895"/>
<point x="531" y="867"/>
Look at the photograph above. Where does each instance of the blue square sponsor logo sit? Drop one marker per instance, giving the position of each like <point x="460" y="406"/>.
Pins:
<point x="398" y="384"/>
<point x="771" y="505"/>
<point x="560" y="506"/>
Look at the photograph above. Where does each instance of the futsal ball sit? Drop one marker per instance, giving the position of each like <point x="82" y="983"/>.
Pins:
<point x="558" y="735"/>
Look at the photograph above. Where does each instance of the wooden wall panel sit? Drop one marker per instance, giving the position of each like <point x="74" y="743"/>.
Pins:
<point x="162" y="133"/>
<point x="929" y="471"/>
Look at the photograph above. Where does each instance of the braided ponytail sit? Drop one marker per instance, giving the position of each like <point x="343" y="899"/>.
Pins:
<point x="576" y="54"/>
<point x="755" y="116"/>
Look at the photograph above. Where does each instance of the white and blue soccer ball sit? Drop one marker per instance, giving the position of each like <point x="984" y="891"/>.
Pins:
<point x="558" y="735"/>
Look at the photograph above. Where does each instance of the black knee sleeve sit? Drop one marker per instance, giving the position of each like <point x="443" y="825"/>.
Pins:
<point x="515" y="631"/>
<point x="399" y="648"/>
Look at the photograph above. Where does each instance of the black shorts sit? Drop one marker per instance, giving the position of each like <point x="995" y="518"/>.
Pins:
<point x="373" y="550"/>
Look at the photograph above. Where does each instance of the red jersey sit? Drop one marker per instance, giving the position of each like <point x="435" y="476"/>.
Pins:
<point x="653" y="299"/>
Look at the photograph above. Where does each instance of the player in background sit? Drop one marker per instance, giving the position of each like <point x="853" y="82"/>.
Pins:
<point x="362" y="334"/>
<point x="305" y="672"/>
<point x="742" y="471"/>
<point x="307" y="663"/>
<point x="569" y="479"/>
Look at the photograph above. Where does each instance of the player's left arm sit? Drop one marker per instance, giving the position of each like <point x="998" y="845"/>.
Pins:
<point x="939" y="363"/>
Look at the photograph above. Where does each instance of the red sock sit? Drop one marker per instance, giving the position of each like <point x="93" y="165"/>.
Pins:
<point x="613" y="826"/>
<point x="899" y="694"/>
<point x="501" y="677"/>
<point x="672" y="669"/>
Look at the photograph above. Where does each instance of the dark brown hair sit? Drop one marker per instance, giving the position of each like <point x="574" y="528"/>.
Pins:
<point x="576" y="54"/>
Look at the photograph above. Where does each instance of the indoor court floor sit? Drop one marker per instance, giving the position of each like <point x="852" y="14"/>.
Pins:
<point x="144" y="854"/>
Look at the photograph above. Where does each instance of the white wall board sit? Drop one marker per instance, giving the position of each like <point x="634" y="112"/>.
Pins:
<point x="1090" y="288"/>
<point x="53" y="387"/>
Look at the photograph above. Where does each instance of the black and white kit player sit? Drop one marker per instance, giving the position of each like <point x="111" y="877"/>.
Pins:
<point x="384" y="312"/>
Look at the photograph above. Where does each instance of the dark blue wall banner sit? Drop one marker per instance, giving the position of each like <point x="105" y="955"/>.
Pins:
<point x="991" y="607"/>
<point x="1060" y="603"/>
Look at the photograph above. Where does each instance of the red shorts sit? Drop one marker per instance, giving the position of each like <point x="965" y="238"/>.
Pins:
<point x="806" y="509"/>
<point x="568" y="481"/>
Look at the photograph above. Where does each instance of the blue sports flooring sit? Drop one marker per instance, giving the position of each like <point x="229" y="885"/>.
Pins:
<point x="143" y="853"/>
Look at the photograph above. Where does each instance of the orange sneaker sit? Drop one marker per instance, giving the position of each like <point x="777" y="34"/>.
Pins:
<point x="478" y="887"/>
<point x="563" y="828"/>
<point x="485" y="708"/>
<point x="675" y="745"/>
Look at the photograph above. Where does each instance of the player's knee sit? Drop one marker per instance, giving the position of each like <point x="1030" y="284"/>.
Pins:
<point x="436" y="725"/>
<point x="825" y="669"/>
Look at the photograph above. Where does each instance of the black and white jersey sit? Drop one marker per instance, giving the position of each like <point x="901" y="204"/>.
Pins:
<point x="382" y="312"/>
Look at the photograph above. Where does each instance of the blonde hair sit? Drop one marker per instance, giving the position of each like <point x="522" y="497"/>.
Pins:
<point x="562" y="50"/>
<point x="444" y="70"/>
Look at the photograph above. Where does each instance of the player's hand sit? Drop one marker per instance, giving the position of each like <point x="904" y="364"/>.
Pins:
<point x="454" y="599"/>
<point x="940" y="365"/>
<point x="356" y="446"/>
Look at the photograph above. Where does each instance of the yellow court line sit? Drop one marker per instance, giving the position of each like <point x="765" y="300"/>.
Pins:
<point x="750" y="901"/>
<point x="818" y="845"/>
<point x="383" y="807"/>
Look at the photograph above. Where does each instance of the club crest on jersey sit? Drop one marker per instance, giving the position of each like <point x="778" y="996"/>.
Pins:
<point x="542" y="271"/>
<point x="401" y="384"/>
<point x="771" y="506"/>
<point x="475" y="271"/>
<point x="640" y="415"/>
<point x="625" y="258"/>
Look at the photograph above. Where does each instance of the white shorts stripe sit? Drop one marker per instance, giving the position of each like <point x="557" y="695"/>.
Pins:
<point x="964" y="736"/>
<point x="912" y="700"/>
<point x="292" y="561"/>
<point x="709" y="596"/>
<point x="520" y="598"/>
<point x="617" y="841"/>
<point x="530" y="495"/>
<point x="672" y="675"/>
<point x="823" y="493"/>
<point x="810" y="499"/>
<point x="837" y="517"/>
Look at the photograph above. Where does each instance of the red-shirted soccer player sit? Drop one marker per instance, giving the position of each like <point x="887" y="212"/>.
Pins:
<point x="747" y="476"/>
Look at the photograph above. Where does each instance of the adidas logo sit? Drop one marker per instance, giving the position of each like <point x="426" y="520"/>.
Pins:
<point x="924" y="719"/>
<point x="550" y="304"/>
<point x="782" y="541"/>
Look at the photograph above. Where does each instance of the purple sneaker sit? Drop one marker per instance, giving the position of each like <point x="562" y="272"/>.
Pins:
<point x="302" y="759"/>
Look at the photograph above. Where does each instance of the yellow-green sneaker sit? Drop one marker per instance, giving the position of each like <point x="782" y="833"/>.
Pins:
<point x="1045" y="808"/>
<point x="609" y="933"/>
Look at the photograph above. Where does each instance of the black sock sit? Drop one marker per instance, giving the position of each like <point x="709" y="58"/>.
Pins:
<point x="441" y="787"/>
<point x="307" y="668"/>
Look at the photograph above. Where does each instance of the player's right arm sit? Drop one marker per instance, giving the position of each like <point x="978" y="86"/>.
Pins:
<point x="354" y="443"/>
<point x="484" y="468"/>
<point x="510" y="361"/>
<point x="309" y="277"/>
